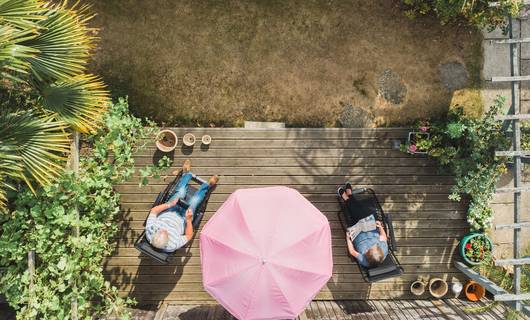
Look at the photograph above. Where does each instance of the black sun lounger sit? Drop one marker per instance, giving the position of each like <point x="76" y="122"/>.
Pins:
<point x="367" y="203"/>
<point x="144" y="246"/>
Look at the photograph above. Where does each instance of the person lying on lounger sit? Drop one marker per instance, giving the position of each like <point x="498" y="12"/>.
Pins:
<point x="366" y="238"/>
<point x="168" y="227"/>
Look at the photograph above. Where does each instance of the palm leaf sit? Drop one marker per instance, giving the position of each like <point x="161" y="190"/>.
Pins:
<point x="22" y="14"/>
<point x="64" y="42"/>
<point x="79" y="101"/>
<point x="10" y="168"/>
<point x="14" y="56"/>
<point x="32" y="148"/>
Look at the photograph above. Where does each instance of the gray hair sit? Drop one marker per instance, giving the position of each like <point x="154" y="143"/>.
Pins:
<point x="374" y="256"/>
<point x="160" y="239"/>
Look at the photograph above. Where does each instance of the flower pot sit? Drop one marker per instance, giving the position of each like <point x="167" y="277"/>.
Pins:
<point x="413" y="139"/>
<point x="417" y="288"/>
<point x="474" y="291"/>
<point x="438" y="287"/>
<point x="206" y="139"/>
<point x="166" y="140"/>
<point x="466" y="240"/>
<point x="188" y="139"/>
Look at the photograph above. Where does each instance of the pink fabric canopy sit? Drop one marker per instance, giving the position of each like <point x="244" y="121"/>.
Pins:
<point x="266" y="253"/>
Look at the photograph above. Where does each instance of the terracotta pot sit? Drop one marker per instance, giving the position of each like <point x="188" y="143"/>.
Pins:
<point x="188" y="139"/>
<point x="474" y="291"/>
<point x="417" y="288"/>
<point x="438" y="287"/>
<point x="166" y="140"/>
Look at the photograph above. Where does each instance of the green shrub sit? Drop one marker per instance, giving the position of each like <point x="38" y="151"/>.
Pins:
<point x="68" y="266"/>
<point x="476" y="12"/>
<point x="465" y="146"/>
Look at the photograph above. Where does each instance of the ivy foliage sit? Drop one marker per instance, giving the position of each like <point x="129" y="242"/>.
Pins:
<point x="465" y="146"/>
<point x="477" y="12"/>
<point x="69" y="266"/>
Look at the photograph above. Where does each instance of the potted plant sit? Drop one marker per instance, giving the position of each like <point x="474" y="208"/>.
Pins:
<point x="417" y="141"/>
<point x="474" y="248"/>
<point x="166" y="140"/>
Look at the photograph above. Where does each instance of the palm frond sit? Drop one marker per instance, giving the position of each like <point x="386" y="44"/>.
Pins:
<point x="79" y="101"/>
<point x="22" y="14"/>
<point x="10" y="168"/>
<point x="14" y="56"/>
<point x="64" y="42"/>
<point x="36" y="145"/>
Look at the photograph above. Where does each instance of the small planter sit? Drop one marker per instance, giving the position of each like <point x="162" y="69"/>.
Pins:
<point x="474" y="291"/>
<point x="188" y="139"/>
<point x="474" y="248"/>
<point x="438" y="287"/>
<point x="417" y="288"/>
<point x="206" y="139"/>
<point x="413" y="139"/>
<point x="166" y="140"/>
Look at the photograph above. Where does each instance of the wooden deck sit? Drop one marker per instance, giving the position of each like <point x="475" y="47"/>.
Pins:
<point x="453" y="309"/>
<point x="313" y="161"/>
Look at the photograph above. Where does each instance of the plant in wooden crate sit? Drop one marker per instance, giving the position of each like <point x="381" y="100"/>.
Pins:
<point x="418" y="141"/>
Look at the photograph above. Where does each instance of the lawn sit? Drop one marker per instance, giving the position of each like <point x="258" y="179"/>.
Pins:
<point x="218" y="63"/>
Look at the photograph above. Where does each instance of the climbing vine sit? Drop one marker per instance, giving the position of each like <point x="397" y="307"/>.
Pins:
<point x="69" y="266"/>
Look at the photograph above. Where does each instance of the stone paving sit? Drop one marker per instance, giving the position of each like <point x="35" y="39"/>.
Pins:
<point x="497" y="63"/>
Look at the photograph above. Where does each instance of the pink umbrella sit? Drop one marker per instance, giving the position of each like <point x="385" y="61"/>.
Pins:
<point x="266" y="253"/>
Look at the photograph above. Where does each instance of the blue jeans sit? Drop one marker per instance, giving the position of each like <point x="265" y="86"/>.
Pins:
<point x="182" y="190"/>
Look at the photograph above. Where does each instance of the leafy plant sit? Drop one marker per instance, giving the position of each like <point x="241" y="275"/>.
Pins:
<point x="477" y="12"/>
<point x="154" y="171"/>
<point x="44" y="49"/>
<point x="30" y="149"/>
<point x="466" y="147"/>
<point x="478" y="248"/>
<point x="70" y="266"/>
<point x="419" y="142"/>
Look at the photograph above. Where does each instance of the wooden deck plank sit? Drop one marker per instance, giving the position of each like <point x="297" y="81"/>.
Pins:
<point x="314" y="162"/>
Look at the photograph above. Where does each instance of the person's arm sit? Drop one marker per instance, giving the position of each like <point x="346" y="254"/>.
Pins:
<point x="351" y="249"/>
<point x="189" y="227"/>
<point x="382" y="233"/>
<point x="162" y="207"/>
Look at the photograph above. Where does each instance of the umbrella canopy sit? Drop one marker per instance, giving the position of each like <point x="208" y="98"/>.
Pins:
<point x="266" y="253"/>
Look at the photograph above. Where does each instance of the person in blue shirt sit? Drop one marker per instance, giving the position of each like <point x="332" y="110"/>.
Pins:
<point x="168" y="227"/>
<point x="365" y="237"/>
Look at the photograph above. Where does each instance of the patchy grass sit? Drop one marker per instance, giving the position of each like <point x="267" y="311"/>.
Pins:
<point x="222" y="62"/>
<point x="470" y="99"/>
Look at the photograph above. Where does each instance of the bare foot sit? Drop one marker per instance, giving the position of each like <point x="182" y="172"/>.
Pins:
<point x="348" y="189"/>
<point x="186" y="166"/>
<point x="345" y="197"/>
<point x="213" y="180"/>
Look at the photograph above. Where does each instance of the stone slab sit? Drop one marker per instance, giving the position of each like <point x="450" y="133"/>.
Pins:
<point x="525" y="33"/>
<point x="496" y="60"/>
<point x="264" y="125"/>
